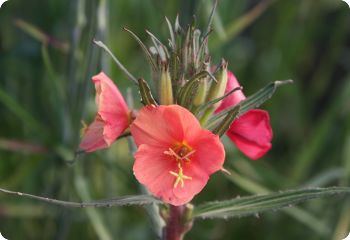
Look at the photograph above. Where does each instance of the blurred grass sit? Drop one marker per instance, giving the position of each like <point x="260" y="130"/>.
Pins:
<point x="45" y="90"/>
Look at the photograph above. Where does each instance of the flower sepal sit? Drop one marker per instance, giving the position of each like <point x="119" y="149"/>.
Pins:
<point x="225" y="124"/>
<point x="165" y="87"/>
<point x="217" y="89"/>
<point x="187" y="93"/>
<point x="145" y="93"/>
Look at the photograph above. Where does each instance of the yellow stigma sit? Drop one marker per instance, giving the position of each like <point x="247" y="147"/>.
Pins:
<point x="182" y="153"/>
<point x="180" y="177"/>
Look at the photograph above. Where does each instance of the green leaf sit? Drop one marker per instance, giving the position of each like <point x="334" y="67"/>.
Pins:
<point x="145" y="92"/>
<point x="178" y="28"/>
<point x="211" y="17"/>
<point x="252" y="101"/>
<point x="253" y="205"/>
<point x="224" y="125"/>
<point x="144" y="48"/>
<point x="172" y="35"/>
<point x="114" y="202"/>
<point x="299" y="214"/>
<point x="41" y="36"/>
<point x="121" y="66"/>
<point x="161" y="48"/>
<point x="206" y="105"/>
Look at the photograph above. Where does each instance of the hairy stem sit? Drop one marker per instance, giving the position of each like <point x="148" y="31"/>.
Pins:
<point x="178" y="222"/>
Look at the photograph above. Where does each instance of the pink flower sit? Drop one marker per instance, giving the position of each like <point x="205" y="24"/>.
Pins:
<point x="251" y="132"/>
<point x="175" y="156"/>
<point x="111" y="119"/>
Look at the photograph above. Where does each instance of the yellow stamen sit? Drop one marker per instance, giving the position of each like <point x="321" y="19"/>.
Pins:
<point x="171" y="152"/>
<point x="180" y="177"/>
<point x="186" y="157"/>
<point x="83" y="129"/>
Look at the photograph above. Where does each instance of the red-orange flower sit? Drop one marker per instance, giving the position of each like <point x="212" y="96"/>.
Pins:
<point x="251" y="132"/>
<point x="175" y="156"/>
<point x="111" y="119"/>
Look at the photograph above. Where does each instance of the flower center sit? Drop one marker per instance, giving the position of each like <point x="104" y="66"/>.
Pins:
<point x="180" y="152"/>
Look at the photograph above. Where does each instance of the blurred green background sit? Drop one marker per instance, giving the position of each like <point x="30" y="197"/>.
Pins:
<point x="47" y="60"/>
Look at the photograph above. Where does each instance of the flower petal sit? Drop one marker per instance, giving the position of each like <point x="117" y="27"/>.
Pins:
<point x="164" y="125"/>
<point x="112" y="118"/>
<point x="152" y="168"/>
<point x="209" y="157"/>
<point x="175" y="181"/>
<point x="111" y="107"/>
<point x="192" y="186"/>
<point x="93" y="136"/>
<point x="235" y="97"/>
<point x="209" y="152"/>
<point x="252" y="133"/>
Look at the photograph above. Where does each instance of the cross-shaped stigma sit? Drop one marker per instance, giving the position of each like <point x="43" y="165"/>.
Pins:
<point x="180" y="177"/>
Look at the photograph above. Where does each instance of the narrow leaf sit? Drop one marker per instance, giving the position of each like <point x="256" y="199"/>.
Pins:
<point x="253" y="205"/>
<point x="114" y="202"/>
<point x="178" y="28"/>
<point x="145" y="92"/>
<point x="121" y="66"/>
<point x="262" y="96"/>
<point x="185" y="50"/>
<point x="172" y="35"/>
<point x="252" y="101"/>
<point x="158" y="43"/>
<point x="144" y="48"/>
<point x="195" y="43"/>
<point x="41" y="36"/>
<point x="202" y="49"/>
<point x="299" y="214"/>
<point x="211" y="17"/>
<point x="226" y="123"/>
<point x="206" y="105"/>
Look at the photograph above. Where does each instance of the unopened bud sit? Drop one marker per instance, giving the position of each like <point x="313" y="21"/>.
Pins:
<point x="217" y="89"/>
<point x="165" y="87"/>
<point x="201" y="93"/>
